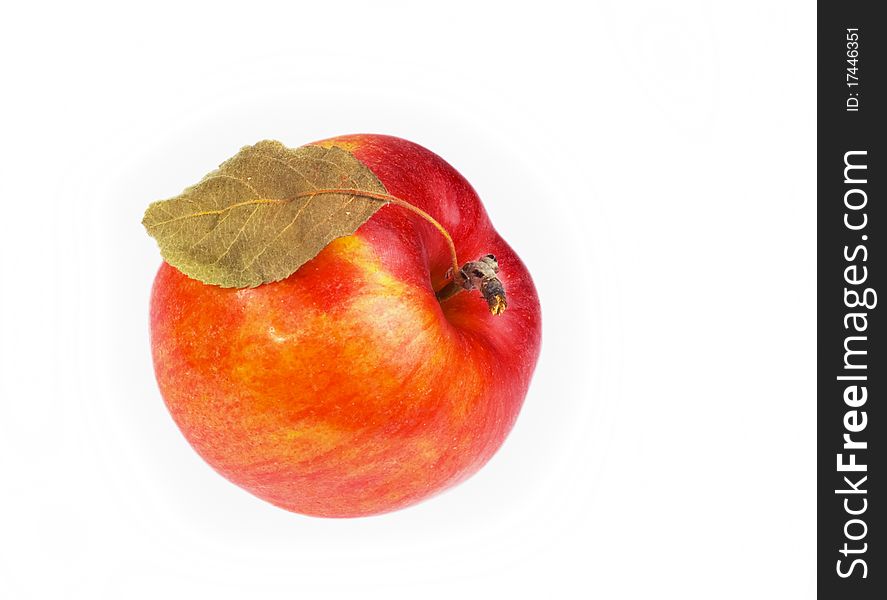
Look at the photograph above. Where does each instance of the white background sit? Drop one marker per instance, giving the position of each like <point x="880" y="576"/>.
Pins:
<point x="653" y="164"/>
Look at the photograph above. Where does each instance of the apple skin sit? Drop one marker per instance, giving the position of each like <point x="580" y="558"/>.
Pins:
<point x="347" y="389"/>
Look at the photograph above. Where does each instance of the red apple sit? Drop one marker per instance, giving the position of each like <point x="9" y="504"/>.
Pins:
<point x="348" y="389"/>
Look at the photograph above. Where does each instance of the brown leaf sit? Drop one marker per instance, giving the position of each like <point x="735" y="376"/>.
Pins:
<point x="254" y="220"/>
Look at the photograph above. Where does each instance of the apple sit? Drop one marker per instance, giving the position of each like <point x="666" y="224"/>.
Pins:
<point x="348" y="388"/>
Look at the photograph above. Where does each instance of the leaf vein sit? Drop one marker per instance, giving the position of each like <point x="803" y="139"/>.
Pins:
<point x="276" y="237"/>
<point x="290" y="167"/>
<point x="236" y="237"/>
<point x="205" y="213"/>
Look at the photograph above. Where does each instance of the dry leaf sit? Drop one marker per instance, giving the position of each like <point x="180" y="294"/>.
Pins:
<point x="250" y="221"/>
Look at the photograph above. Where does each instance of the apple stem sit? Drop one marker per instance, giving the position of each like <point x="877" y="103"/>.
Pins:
<point x="479" y="274"/>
